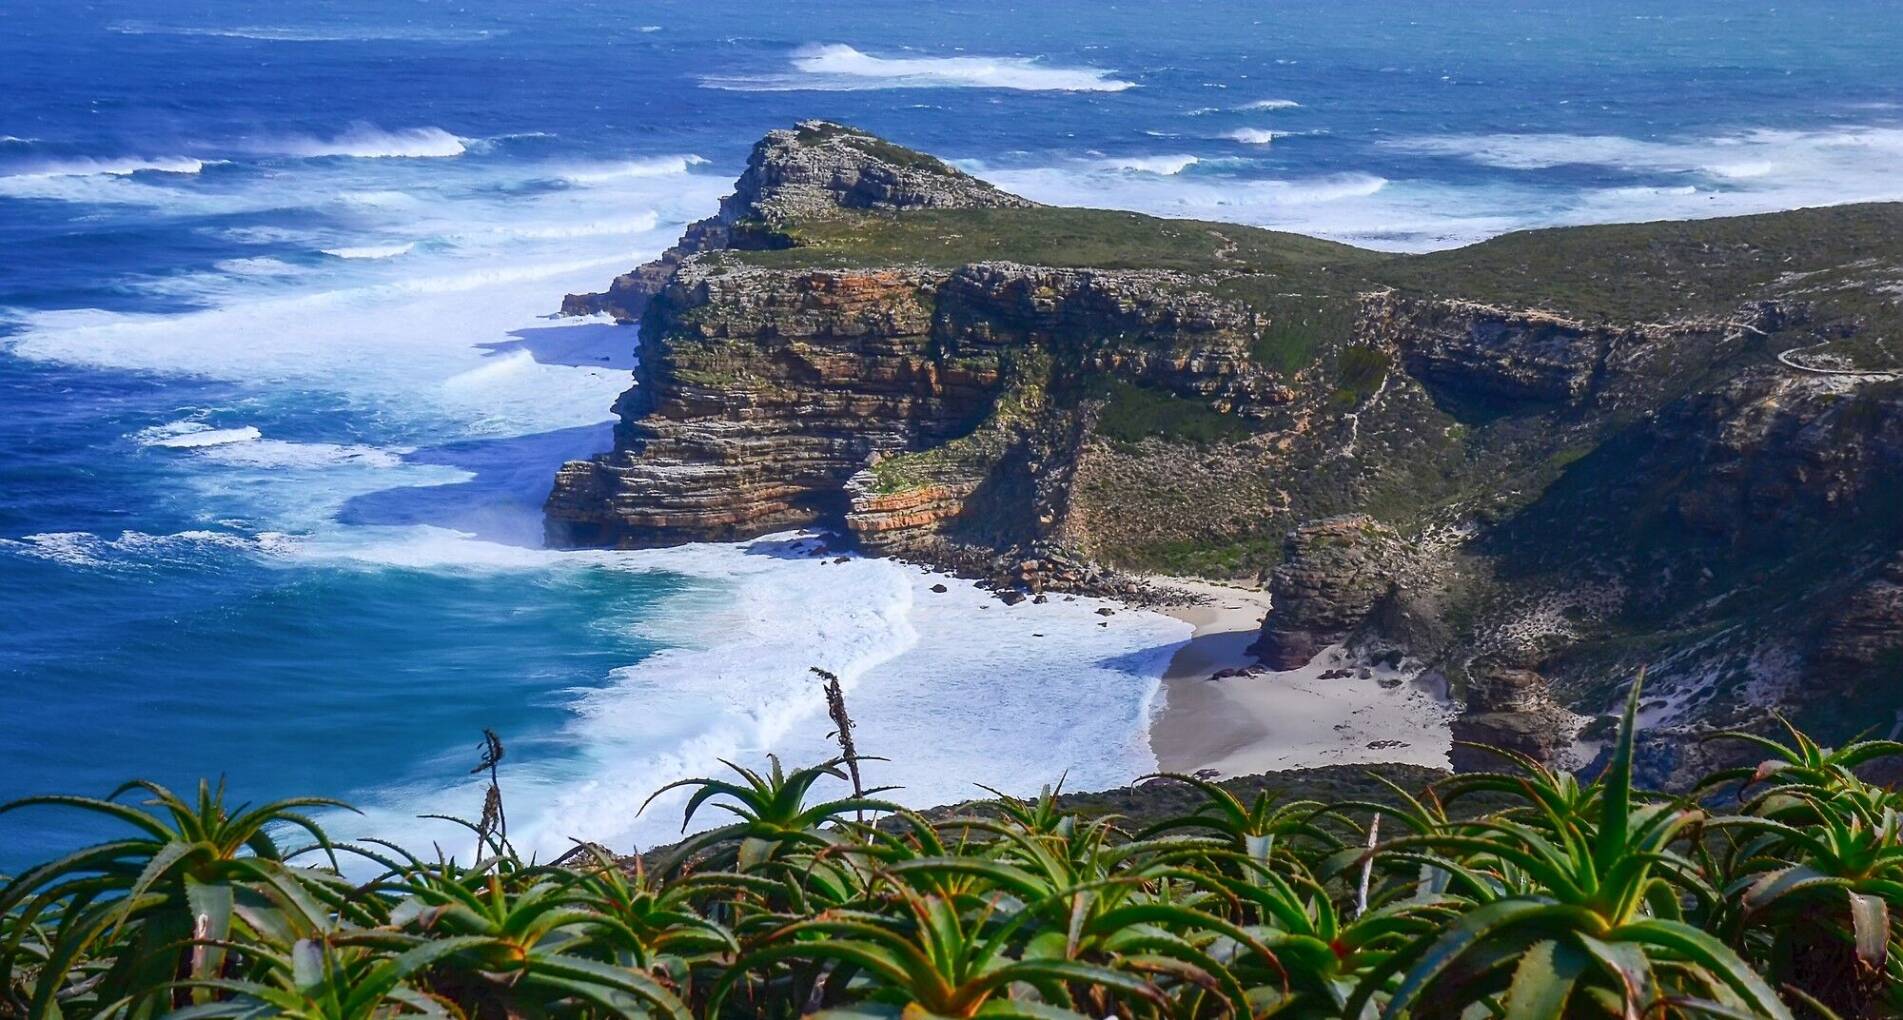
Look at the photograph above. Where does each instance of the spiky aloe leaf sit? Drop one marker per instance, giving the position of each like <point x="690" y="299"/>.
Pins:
<point x="1543" y="982"/>
<point x="1616" y="807"/>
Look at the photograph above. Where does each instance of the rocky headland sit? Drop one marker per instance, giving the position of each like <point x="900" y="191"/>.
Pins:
<point x="1529" y="467"/>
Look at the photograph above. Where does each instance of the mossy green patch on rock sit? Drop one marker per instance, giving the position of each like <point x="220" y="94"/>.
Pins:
<point x="1358" y="374"/>
<point x="1132" y="413"/>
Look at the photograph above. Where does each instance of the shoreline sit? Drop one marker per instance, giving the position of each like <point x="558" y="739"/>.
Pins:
<point x="1269" y="721"/>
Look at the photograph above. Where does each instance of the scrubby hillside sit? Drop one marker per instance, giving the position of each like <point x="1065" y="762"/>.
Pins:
<point x="1559" y="454"/>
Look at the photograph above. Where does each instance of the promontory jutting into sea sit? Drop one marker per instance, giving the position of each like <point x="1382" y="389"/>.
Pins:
<point x="947" y="510"/>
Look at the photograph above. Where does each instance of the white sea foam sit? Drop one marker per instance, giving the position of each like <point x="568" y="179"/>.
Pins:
<point x="836" y="67"/>
<point x="262" y="235"/>
<point x="1736" y="173"/>
<point x="1270" y="104"/>
<point x="279" y="453"/>
<point x="371" y="251"/>
<point x="138" y="549"/>
<point x="367" y="141"/>
<point x="657" y="167"/>
<point x="452" y="327"/>
<point x="261" y="266"/>
<point x="246" y="446"/>
<point x="618" y="226"/>
<point x="119" y="166"/>
<point x="1164" y="165"/>
<point x="194" y="435"/>
<point x="1852" y="151"/>
<point x="1251" y="136"/>
<point x="733" y="684"/>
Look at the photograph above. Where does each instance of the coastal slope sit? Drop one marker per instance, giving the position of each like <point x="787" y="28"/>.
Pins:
<point x="1528" y="467"/>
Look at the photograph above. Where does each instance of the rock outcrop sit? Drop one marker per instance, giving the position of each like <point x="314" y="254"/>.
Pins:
<point x="1333" y="574"/>
<point x="1513" y="710"/>
<point x="1866" y="633"/>
<point x="762" y="393"/>
<point x="1504" y="353"/>
<point x="758" y="395"/>
<point x="809" y="172"/>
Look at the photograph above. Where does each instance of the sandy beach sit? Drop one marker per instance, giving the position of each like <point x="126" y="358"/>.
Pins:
<point x="1266" y="721"/>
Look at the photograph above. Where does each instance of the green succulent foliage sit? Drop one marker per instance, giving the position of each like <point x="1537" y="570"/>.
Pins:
<point x="1590" y="919"/>
<point x="135" y="912"/>
<point x="1774" y="891"/>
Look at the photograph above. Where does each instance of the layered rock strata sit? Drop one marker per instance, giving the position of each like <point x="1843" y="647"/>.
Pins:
<point x="761" y="393"/>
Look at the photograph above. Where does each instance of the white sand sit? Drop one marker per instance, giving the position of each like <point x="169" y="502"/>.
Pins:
<point x="1283" y="720"/>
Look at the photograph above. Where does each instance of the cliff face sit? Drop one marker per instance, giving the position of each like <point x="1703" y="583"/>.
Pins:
<point x="763" y="393"/>
<point x="772" y="398"/>
<point x="1533" y="465"/>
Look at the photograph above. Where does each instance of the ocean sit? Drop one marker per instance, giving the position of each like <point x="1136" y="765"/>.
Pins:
<point x="281" y="394"/>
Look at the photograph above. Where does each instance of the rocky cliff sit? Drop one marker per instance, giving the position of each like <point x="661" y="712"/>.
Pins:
<point x="811" y="171"/>
<point x="1533" y="465"/>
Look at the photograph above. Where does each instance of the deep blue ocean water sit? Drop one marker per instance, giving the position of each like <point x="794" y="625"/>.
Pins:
<point x="279" y="399"/>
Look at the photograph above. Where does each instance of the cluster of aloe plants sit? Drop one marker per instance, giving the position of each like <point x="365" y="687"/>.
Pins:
<point x="1528" y="893"/>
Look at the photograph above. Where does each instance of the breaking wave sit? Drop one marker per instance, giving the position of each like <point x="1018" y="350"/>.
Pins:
<point x="110" y="167"/>
<point x="371" y="251"/>
<point x="136" y="549"/>
<point x="1163" y="165"/>
<point x="367" y="141"/>
<point x="836" y="67"/>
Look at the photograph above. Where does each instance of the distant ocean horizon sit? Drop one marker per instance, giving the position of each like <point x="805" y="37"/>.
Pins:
<point x="282" y="392"/>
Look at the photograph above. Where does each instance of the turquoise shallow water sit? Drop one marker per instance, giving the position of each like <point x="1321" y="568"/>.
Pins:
<point x="280" y="403"/>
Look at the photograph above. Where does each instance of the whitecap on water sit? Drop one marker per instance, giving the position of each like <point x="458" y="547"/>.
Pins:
<point x="1164" y="165"/>
<point x="371" y="251"/>
<point x="1251" y="136"/>
<point x="137" y="549"/>
<point x="836" y="67"/>
<point x="367" y="141"/>
<point x="121" y="166"/>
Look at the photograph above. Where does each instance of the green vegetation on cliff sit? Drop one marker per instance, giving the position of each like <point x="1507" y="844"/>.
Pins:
<point x="1844" y="258"/>
<point x="1133" y="413"/>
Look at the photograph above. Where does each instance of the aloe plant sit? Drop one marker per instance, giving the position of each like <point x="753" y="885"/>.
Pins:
<point x="929" y="958"/>
<point x="1522" y="893"/>
<point x="156" y="904"/>
<point x="1254" y="830"/>
<point x="322" y="980"/>
<point x="1819" y="880"/>
<point x="771" y="808"/>
<point x="1599" y="932"/>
